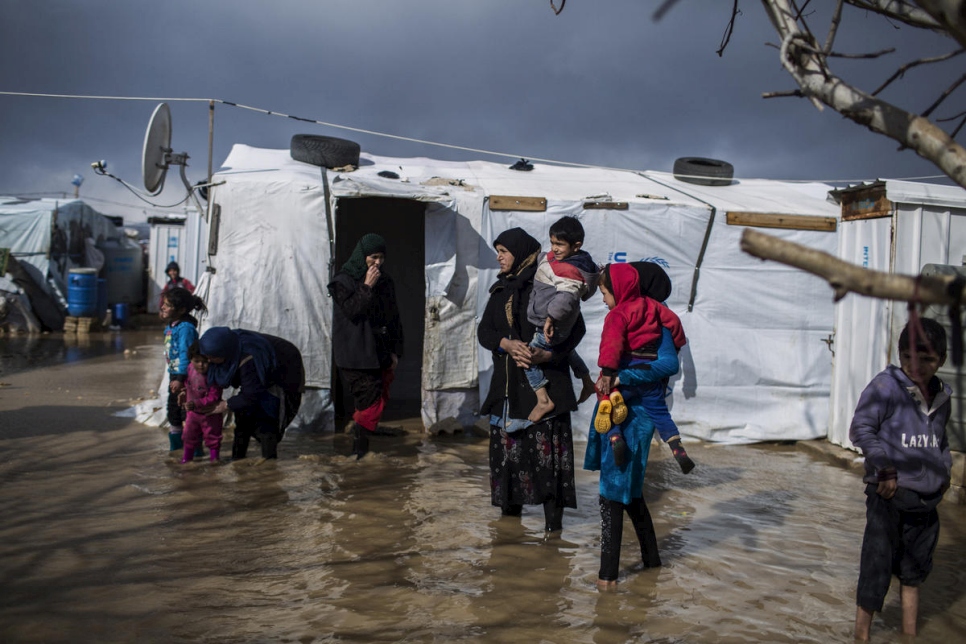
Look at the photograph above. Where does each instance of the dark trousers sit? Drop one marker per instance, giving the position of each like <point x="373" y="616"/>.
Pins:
<point x="895" y="542"/>
<point x="176" y="413"/>
<point x="612" y="531"/>
<point x="261" y="427"/>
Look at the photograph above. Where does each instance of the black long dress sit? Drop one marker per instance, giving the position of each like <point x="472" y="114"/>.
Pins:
<point x="534" y="465"/>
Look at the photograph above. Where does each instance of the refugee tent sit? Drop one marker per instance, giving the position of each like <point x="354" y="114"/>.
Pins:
<point x="757" y="365"/>
<point x="894" y="227"/>
<point x="47" y="238"/>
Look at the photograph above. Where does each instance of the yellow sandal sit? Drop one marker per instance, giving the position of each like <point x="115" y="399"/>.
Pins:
<point x="602" y="420"/>
<point x="618" y="412"/>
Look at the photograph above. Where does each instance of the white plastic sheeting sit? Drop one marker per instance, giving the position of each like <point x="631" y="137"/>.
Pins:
<point x="757" y="366"/>
<point x="926" y="225"/>
<point x="51" y="235"/>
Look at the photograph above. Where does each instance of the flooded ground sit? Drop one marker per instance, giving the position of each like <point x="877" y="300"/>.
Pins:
<point x="105" y="538"/>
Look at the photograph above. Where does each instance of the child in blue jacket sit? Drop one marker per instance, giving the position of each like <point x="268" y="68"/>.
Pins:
<point x="180" y="333"/>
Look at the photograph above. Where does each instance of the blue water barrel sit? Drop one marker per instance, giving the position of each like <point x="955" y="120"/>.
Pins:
<point x="82" y="292"/>
<point x="101" y="297"/>
<point x="120" y="316"/>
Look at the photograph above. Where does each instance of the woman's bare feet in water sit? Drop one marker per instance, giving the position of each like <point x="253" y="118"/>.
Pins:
<point x="607" y="586"/>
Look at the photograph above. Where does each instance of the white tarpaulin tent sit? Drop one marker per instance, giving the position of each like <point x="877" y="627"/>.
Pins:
<point x="48" y="237"/>
<point x="756" y="366"/>
<point x="51" y="234"/>
<point x="892" y="227"/>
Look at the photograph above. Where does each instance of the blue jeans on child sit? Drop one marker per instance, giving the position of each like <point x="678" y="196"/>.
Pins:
<point x="652" y="398"/>
<point x="535" y="373"/>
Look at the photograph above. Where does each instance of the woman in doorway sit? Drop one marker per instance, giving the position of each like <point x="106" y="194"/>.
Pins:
<point x="367" y="336"/>
<point x="530" y="463"/>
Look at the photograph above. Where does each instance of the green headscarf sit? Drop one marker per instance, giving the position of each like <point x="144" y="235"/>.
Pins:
<point x="369" y="244"/>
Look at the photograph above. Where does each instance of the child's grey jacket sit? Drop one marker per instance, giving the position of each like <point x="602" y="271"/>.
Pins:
<point x="558" y="288"/>
<point x="894" y="428"/>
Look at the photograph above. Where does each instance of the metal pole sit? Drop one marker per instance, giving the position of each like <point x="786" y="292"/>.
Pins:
<point x="211" y="141"/>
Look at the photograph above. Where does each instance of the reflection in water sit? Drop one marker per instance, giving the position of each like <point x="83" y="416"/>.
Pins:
<point x="760" y="544"/>
<point x="24" y="352"/>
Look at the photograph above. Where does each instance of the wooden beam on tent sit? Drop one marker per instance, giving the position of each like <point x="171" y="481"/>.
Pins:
<point x="605" y="205"/>
<point x="868" y="203"/>
<point x="793" y="222"/>
<point x="534" y="204"/>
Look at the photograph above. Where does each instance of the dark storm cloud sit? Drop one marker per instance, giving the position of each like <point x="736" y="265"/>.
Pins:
<point x="599" y="84"/>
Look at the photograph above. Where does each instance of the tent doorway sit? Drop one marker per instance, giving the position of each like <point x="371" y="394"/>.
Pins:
<point x="402" y="223"/>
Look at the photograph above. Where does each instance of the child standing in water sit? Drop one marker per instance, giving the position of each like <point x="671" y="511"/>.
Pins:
<point x="200" y="399"/>
<point x="630" y="338"/>
<point x="564" y="277"/>
<point x="622" y="486"/>
<point x="180" y="333"/>
<point x="900" y="425"/>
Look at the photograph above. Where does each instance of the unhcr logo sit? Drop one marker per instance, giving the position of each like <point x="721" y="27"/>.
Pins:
<point x="620" y="257"/>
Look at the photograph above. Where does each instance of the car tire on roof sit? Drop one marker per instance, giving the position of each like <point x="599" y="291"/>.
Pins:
<point x="703" y="172"/>
<point x="324" y="151"/>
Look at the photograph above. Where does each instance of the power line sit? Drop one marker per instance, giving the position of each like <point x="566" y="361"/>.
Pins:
<point x="397" y="137"/>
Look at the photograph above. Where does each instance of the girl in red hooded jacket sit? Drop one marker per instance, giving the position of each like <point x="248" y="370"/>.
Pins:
<point x="631" y="335"/>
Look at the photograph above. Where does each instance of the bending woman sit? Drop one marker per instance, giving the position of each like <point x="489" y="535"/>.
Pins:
<point x="530" y="463"/>
<point x="269" y="376"/>
<point x="367" y="336"/>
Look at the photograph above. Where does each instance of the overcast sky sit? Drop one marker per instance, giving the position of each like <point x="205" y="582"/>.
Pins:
<point x="601" y="83"/>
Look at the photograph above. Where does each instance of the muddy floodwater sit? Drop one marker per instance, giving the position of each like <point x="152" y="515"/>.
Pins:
<point x="104" y="537"/>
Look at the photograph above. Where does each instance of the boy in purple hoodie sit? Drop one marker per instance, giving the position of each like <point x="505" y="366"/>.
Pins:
<point x="900" y="425"/>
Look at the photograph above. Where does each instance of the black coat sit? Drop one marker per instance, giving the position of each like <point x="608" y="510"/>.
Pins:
<point x="365" y="323"/>
<point x="510" y="381"/>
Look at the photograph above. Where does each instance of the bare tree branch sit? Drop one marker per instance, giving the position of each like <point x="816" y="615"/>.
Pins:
<point x="663" y="9"/>
<point x="726" y="38"/>
<point x="834" y="27"/>
<point x="796" y="93"/>
<point x="950" y="14"/>
<point x="922" y="61"/>
<point x="845" y="278"/>
<point x="942" y="97"/>
<point x="822" y="52"/>
<point x="959" y="127"/>
<point x="904" y="12"/>
<point x="812" y="75"/>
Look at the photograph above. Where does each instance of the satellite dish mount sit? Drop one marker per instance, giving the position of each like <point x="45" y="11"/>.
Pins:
<point x="158" y="155"/>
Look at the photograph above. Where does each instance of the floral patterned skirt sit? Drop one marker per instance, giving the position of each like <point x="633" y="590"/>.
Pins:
<point x="533" y="465"/>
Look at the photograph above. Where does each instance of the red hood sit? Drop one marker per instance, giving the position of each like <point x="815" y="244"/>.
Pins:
<point x="625" y="282"/>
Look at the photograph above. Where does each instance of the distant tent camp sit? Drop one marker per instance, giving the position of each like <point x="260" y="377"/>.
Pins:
<point x="757" y="364"/>
<point x="49" y="237"/>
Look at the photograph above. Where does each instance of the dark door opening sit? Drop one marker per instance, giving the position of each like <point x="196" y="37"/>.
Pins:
<point x="402" y="223"/>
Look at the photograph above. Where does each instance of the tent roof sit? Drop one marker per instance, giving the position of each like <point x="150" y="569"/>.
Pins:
<point x="910" y="192"/>
<point x="16" y="205"/>
<point x="432" y="179"/>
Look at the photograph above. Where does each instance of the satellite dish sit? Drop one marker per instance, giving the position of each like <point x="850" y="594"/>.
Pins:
<point x="157" y="149"/>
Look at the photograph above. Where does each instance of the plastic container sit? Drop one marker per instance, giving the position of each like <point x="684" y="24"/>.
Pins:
<point x="121" y="317"/>
<point x="82" y="292"/>
<point x="101" y="297"/>
<point x="124" y="270"/>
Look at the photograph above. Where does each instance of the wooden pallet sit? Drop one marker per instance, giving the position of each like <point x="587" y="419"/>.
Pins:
<point x="81" y="325"/>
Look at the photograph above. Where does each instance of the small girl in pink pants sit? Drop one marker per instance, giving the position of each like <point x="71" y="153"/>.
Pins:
<point x="199" y="399"/>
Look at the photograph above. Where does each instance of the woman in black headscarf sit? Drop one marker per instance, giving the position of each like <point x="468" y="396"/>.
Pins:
<point x="367" y="336"/>
<point x="530" y="463"/>
<point x="270" y="378"/>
